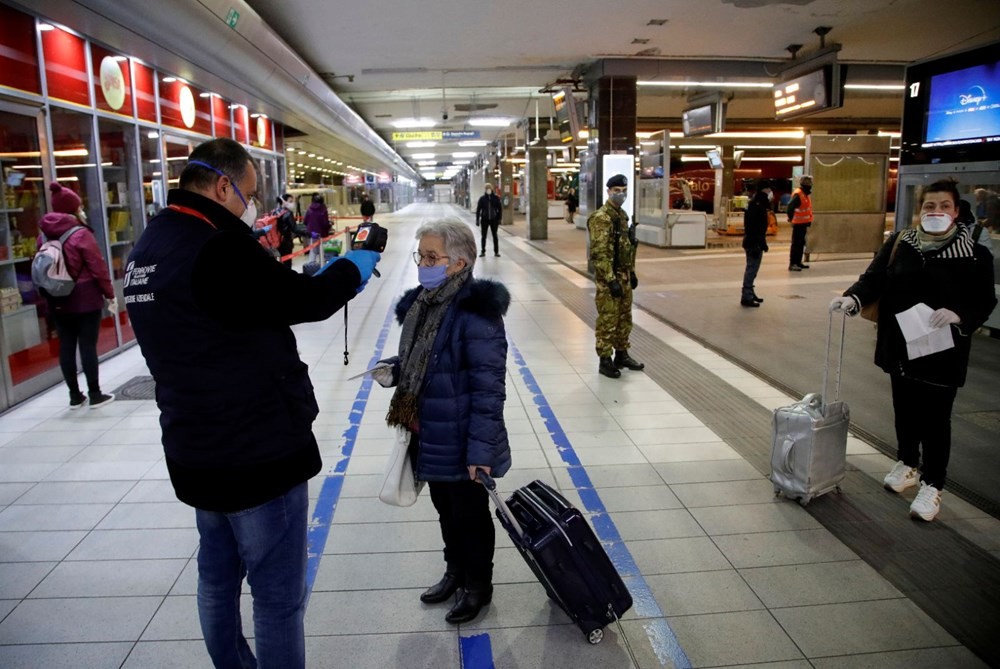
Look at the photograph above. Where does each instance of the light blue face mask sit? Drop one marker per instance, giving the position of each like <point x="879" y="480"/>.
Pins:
<point x="432" y="277"/>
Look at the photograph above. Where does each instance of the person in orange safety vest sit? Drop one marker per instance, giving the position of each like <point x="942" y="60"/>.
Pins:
<point x="800" y="215"/>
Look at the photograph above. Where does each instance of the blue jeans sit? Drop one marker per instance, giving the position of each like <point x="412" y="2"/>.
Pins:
<point x="267" y="544"/>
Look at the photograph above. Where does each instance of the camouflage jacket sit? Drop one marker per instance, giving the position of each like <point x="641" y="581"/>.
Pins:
<point x="609" y="233"/>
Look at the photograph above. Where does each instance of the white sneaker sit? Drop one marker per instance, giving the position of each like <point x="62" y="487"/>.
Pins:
<point x="927" y="503"/>
<point x="901" y="477"/>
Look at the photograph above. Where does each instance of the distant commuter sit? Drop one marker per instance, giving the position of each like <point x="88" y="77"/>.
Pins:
<point x="367" y="207"/>
<point x="612" y="255"/>
<point x="317" y="220"/>
<point x="755" y="240"/>
<point x="77" y="316"/>
<point x="938" y="265"/>
<point x="286" y="225"/>
<point x="212" y="313"/>
<point x="572" y="204"/>
<point x="980" y="233"/>
<point x="800" y="215"/>
<point x="449" y="377"/>
<point x="489" y="212"/>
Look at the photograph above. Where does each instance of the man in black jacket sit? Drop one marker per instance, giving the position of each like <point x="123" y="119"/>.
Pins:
<point x="367" y="208"/>
<point x="211" y="312"/>
<point x="489" y="211"/>
<point x="755" y="240"/>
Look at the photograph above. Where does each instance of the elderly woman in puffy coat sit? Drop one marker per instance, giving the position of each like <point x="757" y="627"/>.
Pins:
<point x="449" y="378"/>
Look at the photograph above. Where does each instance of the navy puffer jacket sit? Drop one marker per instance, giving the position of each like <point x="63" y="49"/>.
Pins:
<point x="461" y="403"/>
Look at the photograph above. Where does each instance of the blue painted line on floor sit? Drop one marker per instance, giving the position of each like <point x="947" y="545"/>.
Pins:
<point x="476" y="652"/>
<point x="329" y="494"/>
<point x="661" y="637"/>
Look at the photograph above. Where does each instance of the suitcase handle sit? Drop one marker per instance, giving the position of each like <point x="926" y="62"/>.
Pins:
<point x="840" y="358"/>
<point x="491" y="488"/>
<point x="532" y="498"/>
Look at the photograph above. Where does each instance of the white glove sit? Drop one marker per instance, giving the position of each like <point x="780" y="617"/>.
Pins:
<point x="849" y="305"/>
<point x="113" y="305"/>
<point x="383" y="376"/>
<point x="943" y="317"/>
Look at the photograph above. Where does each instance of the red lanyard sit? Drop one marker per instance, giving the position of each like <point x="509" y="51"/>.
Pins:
<point x="191" y="212"/>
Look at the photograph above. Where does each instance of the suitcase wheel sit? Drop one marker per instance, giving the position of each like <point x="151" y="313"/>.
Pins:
<point x="804" y="500"/>
<point x="596" y="636"/>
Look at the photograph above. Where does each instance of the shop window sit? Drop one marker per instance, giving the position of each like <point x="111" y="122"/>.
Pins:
<point x="123" y="201"/>
<point x="18" y="54"/>
<point x="65" y="66"/>
<point x="26" y="324"/>
<point x="112" y="81"/>
<point x="145" y="92"/>
<point x="153" y="195"/>
<point x="221" y="118"/>
<point x="177" y="150"/>
<point x="183" y="106"/>
<point x="76" y="169"/>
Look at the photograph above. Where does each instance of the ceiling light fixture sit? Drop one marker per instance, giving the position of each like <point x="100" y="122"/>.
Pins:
<point x="420" y="145"/>
<point x="706" y="84"/>
<point x="422" y="156"/>
<point x="414" y="123"/>
<point x="875" y="87"/>
<point x="492" y="122"/>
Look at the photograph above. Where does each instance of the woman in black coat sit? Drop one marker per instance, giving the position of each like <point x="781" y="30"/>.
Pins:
<point x="939" y="265"/>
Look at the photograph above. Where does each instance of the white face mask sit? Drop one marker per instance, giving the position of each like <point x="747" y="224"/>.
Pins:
<point x="82" y="216"/>
<point x="290" y="205"/>
<point x="250" y="215"/>
<point x="935" y="222"/>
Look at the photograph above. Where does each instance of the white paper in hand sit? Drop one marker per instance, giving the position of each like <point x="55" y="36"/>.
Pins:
<point x="381" y="365"/>
<point x="921" y="338"/>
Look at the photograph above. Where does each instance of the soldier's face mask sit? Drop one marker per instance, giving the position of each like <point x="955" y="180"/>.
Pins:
<point x="618" y="197"/>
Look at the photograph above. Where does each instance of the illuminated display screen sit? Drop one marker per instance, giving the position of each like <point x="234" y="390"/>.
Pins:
<point x="964" y="106"/>
<point x="699" y="121"/>
<point x="807" y="94"/>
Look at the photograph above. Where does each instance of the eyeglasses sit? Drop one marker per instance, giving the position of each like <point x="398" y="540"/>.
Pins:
<point x="428" y="260"/>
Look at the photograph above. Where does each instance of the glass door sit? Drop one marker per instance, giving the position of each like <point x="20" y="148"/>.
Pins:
<point x="123" y="200"/>
<point x="29" y="347"/>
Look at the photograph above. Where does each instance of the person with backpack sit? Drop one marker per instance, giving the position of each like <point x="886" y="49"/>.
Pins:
<point x="77" y="315"/>
<point x="286" y="226"/>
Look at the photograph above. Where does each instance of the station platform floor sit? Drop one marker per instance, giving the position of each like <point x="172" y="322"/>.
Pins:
<point x="97" y="565"/>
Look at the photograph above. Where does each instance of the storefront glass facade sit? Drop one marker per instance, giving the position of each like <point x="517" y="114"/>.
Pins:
<point x="117" y="132"/>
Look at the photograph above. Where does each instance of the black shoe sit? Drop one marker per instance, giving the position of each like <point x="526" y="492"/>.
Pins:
<point x="100" y="399"/>
<point x="442" y="590"/>
<point x="483" y="254"/>
<point x="607" y="368"/>
<point x="801" y="266"/>
<point x="497" y="254"/>
<point x="77" y="400"/>
<point x="470" y="604"/>
<point x="794" y="268"/>
<point x="623" y="359"/>
<point x="749" y="303"/>
<point x="758" y="299"/>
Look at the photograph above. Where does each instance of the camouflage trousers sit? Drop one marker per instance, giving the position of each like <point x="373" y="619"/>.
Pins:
<point x="614" y="318"/>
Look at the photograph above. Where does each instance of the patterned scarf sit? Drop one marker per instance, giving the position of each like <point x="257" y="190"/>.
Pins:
<point x="420" y="329"/>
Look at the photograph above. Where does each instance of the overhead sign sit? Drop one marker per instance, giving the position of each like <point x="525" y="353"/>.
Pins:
<point x="434" y="135"/>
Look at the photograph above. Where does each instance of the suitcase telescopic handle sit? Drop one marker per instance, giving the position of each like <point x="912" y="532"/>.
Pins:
<point x="840" y="357"/>
<point x="491" y="487"/>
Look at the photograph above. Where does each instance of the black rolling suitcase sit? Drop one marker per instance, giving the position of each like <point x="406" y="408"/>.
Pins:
<point x="559" y="545"/>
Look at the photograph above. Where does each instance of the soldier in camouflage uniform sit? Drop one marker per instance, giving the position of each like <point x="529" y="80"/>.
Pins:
<point x="612" y="255"/>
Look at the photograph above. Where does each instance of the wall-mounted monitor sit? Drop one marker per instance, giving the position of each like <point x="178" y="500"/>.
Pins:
<point x="704" y="120"/>
<point x="951" y="109"/>
<point x="809" y="93"/>
<point x="568" y="115"/>
<point x="714" y="159"/>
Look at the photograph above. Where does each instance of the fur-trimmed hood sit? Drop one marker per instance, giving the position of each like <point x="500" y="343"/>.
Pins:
<point x="483" y="297"/>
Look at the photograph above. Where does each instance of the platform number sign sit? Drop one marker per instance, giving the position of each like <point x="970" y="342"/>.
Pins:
<point x="915" y="89"/>
<point x="232" y="18"/>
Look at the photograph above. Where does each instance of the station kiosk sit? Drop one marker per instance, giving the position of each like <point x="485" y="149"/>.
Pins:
<point x="659" y="220"/>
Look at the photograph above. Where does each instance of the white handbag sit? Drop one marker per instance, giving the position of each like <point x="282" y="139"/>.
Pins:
<point x="399" y="487"/>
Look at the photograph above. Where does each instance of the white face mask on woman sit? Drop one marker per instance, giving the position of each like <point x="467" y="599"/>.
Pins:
<point x="935" y="222"/>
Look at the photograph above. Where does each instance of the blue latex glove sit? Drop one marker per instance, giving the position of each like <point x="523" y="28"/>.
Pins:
<point x="365" y="261"/>
<point x="266" y="228"/>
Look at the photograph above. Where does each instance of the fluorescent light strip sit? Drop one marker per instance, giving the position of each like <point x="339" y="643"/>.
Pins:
<point x="706" y="84"/>
<point x="875" y="87"/>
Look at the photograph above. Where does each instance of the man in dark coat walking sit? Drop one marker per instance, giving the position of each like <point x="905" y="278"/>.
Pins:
<point x="489" y="211"/>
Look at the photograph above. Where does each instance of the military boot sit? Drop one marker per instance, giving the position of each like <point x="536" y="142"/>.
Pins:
<point x="607" y="368"/>
<point x="623" y="359"/>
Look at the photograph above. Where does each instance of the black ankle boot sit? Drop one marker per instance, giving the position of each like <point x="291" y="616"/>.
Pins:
<point x="469" y="605"/>
<point x="607" y="368"/>
<point x="443" y="589"/>
<point x="623" y="359"/>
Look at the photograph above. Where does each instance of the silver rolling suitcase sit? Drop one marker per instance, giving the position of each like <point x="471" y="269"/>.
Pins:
<point x="809" y="440"/>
